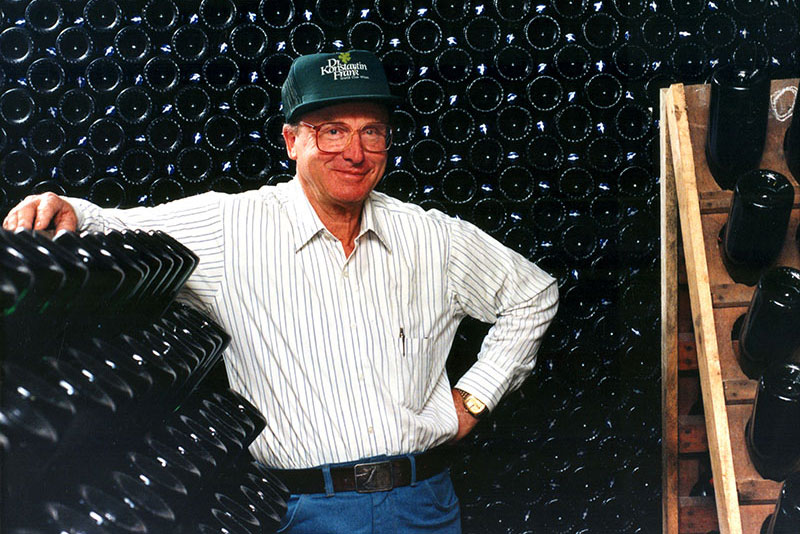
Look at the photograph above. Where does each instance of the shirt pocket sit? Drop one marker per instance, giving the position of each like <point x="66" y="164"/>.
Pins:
<point x="412" y="378"/>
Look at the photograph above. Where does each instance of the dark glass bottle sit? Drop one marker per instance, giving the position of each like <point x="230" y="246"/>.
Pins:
<point x="737" y="122"/>
<point x="46" y="77"/>
<point x="194" y="164"/>
<point x="516" y="183"/>
<point x="572" y="61"/>
<point x="631" y="61"/>
<point x="454" y="64"/>
<point x="514" y="63"/>
<point x="75" y="107"/>
<point x="108" y="193"/>
<point x="251" y="102"/>
<point x="601" y="30"/>
<point x="334" y="13"/>
<point x="456" y="125"/>
<point x="16" y="45"/>
<point x="604" y="154"/>
<point x="307" y="38"/>
<point x="424" y="36"/>
<point x="719" y="29"/>
<point x="221" y="73"/>
<point x="514" y="123"/>
<point x="485" y="154"/>
<point x="76" y="167"/>
<point x="399" y="66"/>
<point x="106" y="137"/>
<point x="249" y="41"/>
<point x="104" y="75"/>
<point x="162" y="74"/>
<point x="545" y="153"/>
<point x="164" y="134"/>
<point x="482" y="33"/>
<point x="632" y="121"/>
<point x="47" y="137"/>
<point x="102" y="15"/>
<point x="394" y="12"/>
<point x="758" y="218"/>
<point x="791" y="142"/>
<point x="400" y="184"/>
<point x="74" y="45"/>
<point x="44" y="16"/>
<point x="658" y="30"/>
<point x="786" y="517"/>
<point x="772" y="433"/>
<point x="17" y="107"/>
<point x="489" y="214"/>
<point x="192" y="103"/>
<point x="164" y="190"/>
<point x="221" y="132"/>
<point x="365" y="35"/>
<point x="160" y="15"/>
<point x="543" y="32"/>
<point x="253" y="163"/>
<point x="218" y="14"/>
<point x="768" y="333"/>
<point x="485" y="93"/>
<point x="545" y="93"/>
<point x="137" y="166"/>
<point x="18" y="168"/>
<point x="426" y="96"/>
<point x="134" y="105"/>
<point x="132" y="44"/>
<point x="277" y="13"/>
<point x="574" y="123"/>
<point x="427" y="156"/>
<point x="275" y="68"/>
<point x="190" y="43"/>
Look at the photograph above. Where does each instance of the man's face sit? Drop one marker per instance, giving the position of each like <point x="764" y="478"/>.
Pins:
<point x="336" y="182"/>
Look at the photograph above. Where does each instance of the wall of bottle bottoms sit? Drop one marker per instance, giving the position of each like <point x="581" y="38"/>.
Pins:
<point x="533" y="119"/>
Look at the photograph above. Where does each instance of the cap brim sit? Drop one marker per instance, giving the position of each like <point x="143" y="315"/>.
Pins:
<point x="389" y="100"/>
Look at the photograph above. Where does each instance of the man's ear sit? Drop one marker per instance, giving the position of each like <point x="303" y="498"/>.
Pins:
<point x="290" y="138"/>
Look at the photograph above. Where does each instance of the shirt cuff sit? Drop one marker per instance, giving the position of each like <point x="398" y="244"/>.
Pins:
<point x="486" y="382"/>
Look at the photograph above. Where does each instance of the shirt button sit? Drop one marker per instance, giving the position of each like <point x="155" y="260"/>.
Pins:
<point x="360" y="376"/>
<point x="353" y="326"/>
<point x="344" y="273"/>
<point x="370" y="430"/>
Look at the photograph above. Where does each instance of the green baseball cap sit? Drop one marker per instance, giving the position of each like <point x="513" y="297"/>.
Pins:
<point x="319" y="80"/>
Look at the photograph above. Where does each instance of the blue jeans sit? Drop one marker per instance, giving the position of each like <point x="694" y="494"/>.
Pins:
<point x="429" y="506"/>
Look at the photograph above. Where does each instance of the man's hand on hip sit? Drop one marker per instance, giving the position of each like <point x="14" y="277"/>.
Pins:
<point x="466" y="422"/>
<point x="42" y="212"/>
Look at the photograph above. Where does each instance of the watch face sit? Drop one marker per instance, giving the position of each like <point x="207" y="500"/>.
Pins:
<point x="474" y="406"/>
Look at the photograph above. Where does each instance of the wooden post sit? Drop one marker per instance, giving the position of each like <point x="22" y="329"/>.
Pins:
<point x="703" y="315"/>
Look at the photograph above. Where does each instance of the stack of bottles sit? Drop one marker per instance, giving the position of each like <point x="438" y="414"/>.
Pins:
<point x="109" y="420"/>
<point x="751" y="244"/>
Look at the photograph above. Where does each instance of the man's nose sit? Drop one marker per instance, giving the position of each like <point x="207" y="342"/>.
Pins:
<point x="354" y="152"/>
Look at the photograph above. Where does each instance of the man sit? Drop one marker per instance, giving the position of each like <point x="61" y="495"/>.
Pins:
<point x="342" y="304"/>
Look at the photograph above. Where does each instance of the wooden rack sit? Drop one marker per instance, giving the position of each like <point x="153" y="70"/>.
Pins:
<point x="700" y="304"/>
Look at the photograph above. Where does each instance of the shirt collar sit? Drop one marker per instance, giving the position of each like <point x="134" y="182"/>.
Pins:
<point x="307" y="224"/>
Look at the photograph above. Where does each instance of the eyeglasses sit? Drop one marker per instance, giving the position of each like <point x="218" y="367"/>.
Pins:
<point x="335" y="137"/>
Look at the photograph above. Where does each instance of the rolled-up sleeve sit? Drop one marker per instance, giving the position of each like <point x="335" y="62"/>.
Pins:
<point x="494" y="284"/>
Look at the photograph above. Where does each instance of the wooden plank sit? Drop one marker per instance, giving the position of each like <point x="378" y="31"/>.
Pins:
<point x="697" y="516"/>
<point x="669" y="332"/>
<point x="692" y="434"/>
<point x="727" y="504"/>
<point x="687" y="352"/>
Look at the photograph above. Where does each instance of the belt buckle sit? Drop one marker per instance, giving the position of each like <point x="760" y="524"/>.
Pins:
<point x="372" y="477"/>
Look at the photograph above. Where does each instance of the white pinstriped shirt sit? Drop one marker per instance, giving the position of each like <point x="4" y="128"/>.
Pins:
<point x="316" y="336"/>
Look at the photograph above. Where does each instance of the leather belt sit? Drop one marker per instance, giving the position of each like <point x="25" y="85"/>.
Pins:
<point x="368" y="476"/>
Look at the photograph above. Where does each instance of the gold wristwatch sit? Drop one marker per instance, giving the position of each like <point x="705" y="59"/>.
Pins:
<point x="474" y="406"/>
